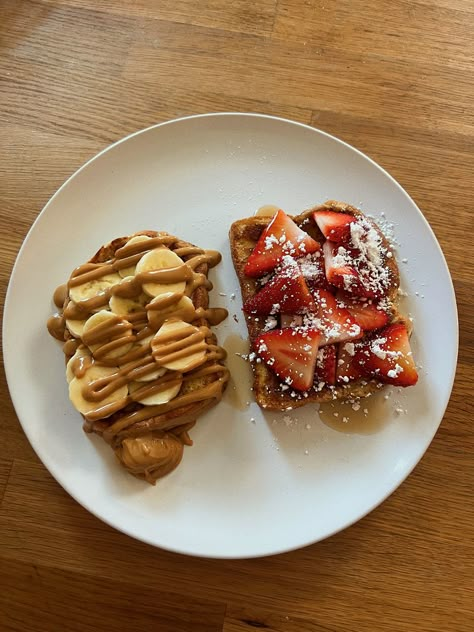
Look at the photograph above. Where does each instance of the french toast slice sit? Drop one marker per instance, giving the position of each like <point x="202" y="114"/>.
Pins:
<point x="270" y="391"/>
<point x="148" y="439"/>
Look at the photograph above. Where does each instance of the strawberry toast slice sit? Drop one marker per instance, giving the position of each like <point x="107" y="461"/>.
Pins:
<point x="320" y="297"/>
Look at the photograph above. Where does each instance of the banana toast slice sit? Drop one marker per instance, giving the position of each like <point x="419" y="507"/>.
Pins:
<point x="320" y="301"/>
<point x="142" y="361"/>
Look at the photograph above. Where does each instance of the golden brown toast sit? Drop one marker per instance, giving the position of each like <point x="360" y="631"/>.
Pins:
<point x="167" y="424"/>
<point x="244" y="235"/>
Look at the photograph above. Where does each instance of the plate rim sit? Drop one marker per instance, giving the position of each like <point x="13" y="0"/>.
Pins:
<point x="276" y="550"/>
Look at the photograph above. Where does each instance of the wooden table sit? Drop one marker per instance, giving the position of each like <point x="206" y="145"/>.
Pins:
<point x="395" y="78"/>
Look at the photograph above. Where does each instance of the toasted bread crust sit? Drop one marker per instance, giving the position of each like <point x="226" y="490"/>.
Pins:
<point x="243" y="235"/>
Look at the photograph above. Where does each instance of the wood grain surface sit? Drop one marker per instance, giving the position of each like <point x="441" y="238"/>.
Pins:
<point x="393" y="77"/>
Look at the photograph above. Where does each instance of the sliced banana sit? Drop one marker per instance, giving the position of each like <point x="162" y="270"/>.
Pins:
<point x="160" y="259"/>
<point x="173" y="337"/>
<point x="76" y="327"/>
<point x="130" y="271"/>
<point x="157" y="398"/>
<point x="124" y="306"/>
<point x="77" y="363"/>
<point x="182" y="309"/>
<point x="77" y="386"/>
<point x="93" y="288"/>
<point x="154" y="375"/>
<point x="107" y="317"/>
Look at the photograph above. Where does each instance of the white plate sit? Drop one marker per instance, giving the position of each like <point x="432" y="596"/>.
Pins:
<point x="247" y="488"/>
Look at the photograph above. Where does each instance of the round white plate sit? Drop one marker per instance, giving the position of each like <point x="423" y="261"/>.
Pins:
<point x="253" y="484"/>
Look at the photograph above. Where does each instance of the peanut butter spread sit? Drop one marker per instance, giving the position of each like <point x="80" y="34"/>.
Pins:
<point x="142" y="361"/>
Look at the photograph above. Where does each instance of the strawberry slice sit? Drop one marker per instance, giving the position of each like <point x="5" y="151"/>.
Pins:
<point x="348" y="369"/>
<point x="325" y="371"/>
<point x="369" y="316"/>
<point x="281" y="237"/>
<point x="345" y="271"/>
<point x="334" y="226"/>
<point x="286" y="292"/>
<point x="291" y="354"/>
<point x="312" y="268"/>
<point x="340" y="269"/>
<point x="333" y="320"/>
<point x="387" y="356"/>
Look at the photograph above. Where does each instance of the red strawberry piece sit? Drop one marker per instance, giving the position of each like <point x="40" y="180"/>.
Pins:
<point x="345" y="271"/>
<point x="333" y="320"/>
<point x="369" y="316"/>
<point x="387" y="356"/>
<point x="312" y="267"/>
<point x="291" y="354"/>
<point x="348" y="368"/>
<point x="286" y="292"/>
<point x="281" y="237"/>
<point x="340" y="269"/>
<point x="325" y="370"/>
<point x="335" y="226"/>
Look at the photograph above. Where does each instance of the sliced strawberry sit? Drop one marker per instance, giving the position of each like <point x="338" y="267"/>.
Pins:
<point x="387" y="356"/>
<point x="325" y="370"/>
<point x="340" y="270"/>
<point x="281" y="237"/>
<point x="291" y="354"/>
<point x="347" y="271"/>
<point x="335" y="226"/>
<point x="334" y="321"/>
<point x="286" y="292"/>
<point x="369" y="316"/>
<point x="312" y="267"/>
<point x="348" y="368"/>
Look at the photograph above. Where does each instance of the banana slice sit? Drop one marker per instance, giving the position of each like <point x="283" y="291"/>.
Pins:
<point x="124" y="306"/>
<point x="154" y="375"/>
<point x="78" y="363"/>
<point x="93" y="288"/>
<point x="130" y="271"/>
<point x="160" y="259"/>
<point x="173" y="348"/>
<point x="157" y="398"/>
<point x="101" y="318"/>
<point x="182" y="309"/>
<point x="76" y="327"/>
<point x="92" y="374"/>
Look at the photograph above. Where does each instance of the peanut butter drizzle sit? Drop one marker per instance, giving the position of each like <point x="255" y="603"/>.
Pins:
<point x="70" y="346"/>
<point x="80" y="365"/>
<point x="154" y="453"/>
<point x="208" y="394"/>
<point x="56" y="325"/>
<point x="60" y="296"/>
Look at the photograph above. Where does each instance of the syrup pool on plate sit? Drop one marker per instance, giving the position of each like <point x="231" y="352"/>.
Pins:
<point x="367" y="416"/>
<point x="239" y="389"/>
